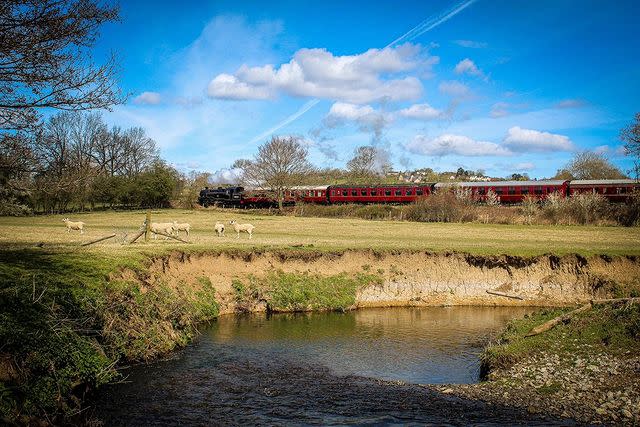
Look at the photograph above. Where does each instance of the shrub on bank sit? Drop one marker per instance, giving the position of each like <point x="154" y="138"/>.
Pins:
<point x="583" y="209"/>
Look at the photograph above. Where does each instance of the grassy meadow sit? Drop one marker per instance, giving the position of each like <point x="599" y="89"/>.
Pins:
<point x="315" y="233"/>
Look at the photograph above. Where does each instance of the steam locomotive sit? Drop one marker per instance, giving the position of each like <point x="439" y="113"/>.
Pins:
<point x="507" y="192"/>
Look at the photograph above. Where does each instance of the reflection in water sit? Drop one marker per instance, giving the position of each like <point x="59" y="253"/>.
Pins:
<point x="420" y="345"/>
<point x="313" y="369"/>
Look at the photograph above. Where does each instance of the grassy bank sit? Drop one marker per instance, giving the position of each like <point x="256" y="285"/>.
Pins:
<point x="64" y="327"/>
<point x="586" y="369"/>
<point x="611" y="328"/>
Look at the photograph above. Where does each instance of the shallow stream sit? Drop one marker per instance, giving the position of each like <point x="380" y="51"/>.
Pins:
<point x="359" y="368"/>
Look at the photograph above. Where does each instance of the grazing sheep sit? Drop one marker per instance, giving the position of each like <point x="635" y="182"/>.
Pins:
<point x="247" y="228"/>
<point x="219" y="227"/>
<point x="181" y="227"/>
<point x="79" y="225"/>
<point x="162" y="227"/>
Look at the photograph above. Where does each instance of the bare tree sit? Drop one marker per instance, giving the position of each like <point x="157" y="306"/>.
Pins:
<point x="45" y="59"/>
<point x="590" y="165"/>
<point x="139" y="151"/>
<point x="631" y="137"/>
<point x="368" y="163"/>
<point x="279" y="165"/>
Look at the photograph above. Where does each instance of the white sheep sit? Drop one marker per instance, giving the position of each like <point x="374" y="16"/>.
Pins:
<point x="79" y="225"/>
<point x="162" y="227"/>
<point x="247" y="228"/>
<point x="181" y="227"/>
<point x="219" y="227"/>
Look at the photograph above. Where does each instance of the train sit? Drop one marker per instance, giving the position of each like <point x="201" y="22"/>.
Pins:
<point x="507" y="192"/>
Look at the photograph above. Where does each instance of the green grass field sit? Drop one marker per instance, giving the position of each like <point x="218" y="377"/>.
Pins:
<point x="318" y="234"/>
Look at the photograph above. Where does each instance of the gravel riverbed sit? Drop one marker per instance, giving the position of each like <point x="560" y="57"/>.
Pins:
<point x="589" y="387"/>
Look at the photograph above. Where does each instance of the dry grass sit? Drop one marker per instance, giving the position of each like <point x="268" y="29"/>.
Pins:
<point x="319" y="234"/>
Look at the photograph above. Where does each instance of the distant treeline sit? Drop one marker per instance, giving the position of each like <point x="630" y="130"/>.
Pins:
<point x="76" y="162"/>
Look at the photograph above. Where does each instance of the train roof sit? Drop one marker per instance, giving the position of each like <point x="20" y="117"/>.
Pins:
<point x="310" y="187"/>
<point x="421" y="184"/>
<point x="604" y="181"/>
<point x="501" y="183"/>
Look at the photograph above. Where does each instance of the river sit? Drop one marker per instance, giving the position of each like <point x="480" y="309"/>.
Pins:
<point x="358" y="368"/>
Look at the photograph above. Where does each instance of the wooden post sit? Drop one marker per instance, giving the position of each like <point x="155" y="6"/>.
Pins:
<point x="147" y="226"/>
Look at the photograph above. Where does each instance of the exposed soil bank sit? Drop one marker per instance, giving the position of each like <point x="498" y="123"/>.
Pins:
<point x="404" y="278"/>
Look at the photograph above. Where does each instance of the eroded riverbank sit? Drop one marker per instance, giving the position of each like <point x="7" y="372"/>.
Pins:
<point x="400" y="278"/>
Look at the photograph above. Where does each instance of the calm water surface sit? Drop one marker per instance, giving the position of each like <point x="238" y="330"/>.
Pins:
<point x="356" y="368"/>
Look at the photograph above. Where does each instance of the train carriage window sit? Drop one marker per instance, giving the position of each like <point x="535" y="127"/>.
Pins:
<point x="538" y="190"/>
<point x="524" y="191"/>
<point x="512" y="191"/>
<point x="481" y="190"/>
<point x="387" y="192"/>
<point x="398" y="193"/>
<point x="374" y="193"/>
<point x="419" y="192"/>
<point x="333" y="192"/>
<point x="354" y="192"/>
<point x="499" y="191"/>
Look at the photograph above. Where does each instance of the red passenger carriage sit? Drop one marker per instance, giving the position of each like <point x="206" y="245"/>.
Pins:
<point x="615" y="190"/>
<point x="398" y="193"/>
<point x="510" y="191"/>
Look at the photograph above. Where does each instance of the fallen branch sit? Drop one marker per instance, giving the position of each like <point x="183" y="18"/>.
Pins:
<point x="169" y="235"/>
<point x="557" y="320"/>
<point x="137" y="236"/>
<point x="500" y="294"/>
<point x="99" y="240"/>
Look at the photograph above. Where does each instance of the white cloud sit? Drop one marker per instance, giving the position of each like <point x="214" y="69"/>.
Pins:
<point x="571" y="103"/>
<point x="366" y="117"/>
<point x="226" y="176"/>
<point x="147" y="98"/>
<point x="528" y="140"/>
<point x="421" y="112"/>
<point x="524" y="166"/>
<point x="454" y="88"/>
<point x="226" y="86"/>
<point x="318" y="73"/>
<point x="467" y="66"/>
<point x="470" y="44"/>
<point x="449" y="144"/>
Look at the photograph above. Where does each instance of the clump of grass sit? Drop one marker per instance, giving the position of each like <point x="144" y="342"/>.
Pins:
<point x="304" y="292"/>
<point x="614" y="328"/>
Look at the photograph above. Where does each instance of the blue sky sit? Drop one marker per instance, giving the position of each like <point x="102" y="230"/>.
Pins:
<point x="504" y="86"/>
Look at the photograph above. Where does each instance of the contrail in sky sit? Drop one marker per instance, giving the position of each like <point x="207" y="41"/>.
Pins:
<point x="425" y="26"/>
<point x="306" y="107"/>
<point x="430" y="23"/>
